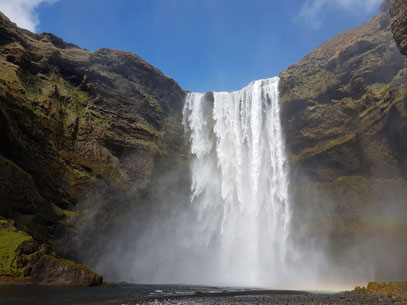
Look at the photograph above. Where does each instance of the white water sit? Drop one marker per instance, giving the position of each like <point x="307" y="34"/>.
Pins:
<point x="233" y="228"/>
<point x="239" y="184"/>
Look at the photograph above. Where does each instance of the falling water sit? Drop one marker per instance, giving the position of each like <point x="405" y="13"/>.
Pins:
<point x="239" y="183"/>
<point x="233" y="228"/>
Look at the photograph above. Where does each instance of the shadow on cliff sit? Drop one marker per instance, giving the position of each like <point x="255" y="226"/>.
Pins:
<point x="128" y="236"/>
<point x="349" y="231"/>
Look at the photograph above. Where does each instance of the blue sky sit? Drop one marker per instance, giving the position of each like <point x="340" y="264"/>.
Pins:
<point x="205" y="45"/>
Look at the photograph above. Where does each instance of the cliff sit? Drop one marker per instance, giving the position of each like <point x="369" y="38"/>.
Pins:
<point x="344" y="111"/>
<point x="398" y="13"/>
<point x="77" y="128"/>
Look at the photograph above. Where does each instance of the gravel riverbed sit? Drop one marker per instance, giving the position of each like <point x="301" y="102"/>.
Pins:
<point x="283" y="299"/>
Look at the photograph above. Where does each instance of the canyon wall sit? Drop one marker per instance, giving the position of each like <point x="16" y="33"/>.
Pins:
<point x="344" y="110"/>
<point x="398" y="13"/>
<point x="82" y="134"/>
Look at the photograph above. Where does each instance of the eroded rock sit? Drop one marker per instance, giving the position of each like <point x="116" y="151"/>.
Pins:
<point x="344" y="113"/>
<point x="50" y="270"/>
<point x="76" y="124"/>
<point x="398" y="12"/>
<point x="22" y="259"/>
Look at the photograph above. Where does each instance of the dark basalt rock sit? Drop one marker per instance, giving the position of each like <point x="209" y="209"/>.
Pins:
<point x="343" y="110"/>
<point x="398" y="13"/>
<point x="23" y="260"/>
<point x="336" y="102"/>
<point x="28" y="247"/>
<point x="59" y="272"/>
<point x="76" y="129"/>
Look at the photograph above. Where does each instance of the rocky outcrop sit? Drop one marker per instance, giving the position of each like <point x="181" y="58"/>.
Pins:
<point x="23" y="260"/>
<point x="76" y="129"/>
<point x="397" y="291"/>
<point x="16" y="252"/>
<point x="398" y="13"/>
<point x="344" y="104"/>
<point x="54" y="271"/>
<point x="344" y="112"/>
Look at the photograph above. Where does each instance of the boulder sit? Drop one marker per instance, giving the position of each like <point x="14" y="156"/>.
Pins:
<point x="22" y="259"/>
<point x="50" y="270"/>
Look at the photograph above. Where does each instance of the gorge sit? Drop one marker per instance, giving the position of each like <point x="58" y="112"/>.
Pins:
<point x="296" y="181"/>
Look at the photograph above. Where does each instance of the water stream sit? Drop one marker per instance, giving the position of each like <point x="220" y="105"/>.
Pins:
<point x="239" y="183"/>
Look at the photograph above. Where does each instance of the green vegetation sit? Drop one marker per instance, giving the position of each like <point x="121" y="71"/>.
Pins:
<point x="79" y="96"/>
<point x="10" y="240"/>
<point x="62" y="212"/>
<point x="70" y="263"/>
<point x="41" y="90"/>
<point x="309" y="85"/>
<point x="153" y="103"/>
<point x="322" y="147"/>
<point x="149" y="130"/>
<point x="393" y="290"/>
<point x="149" y="145"/>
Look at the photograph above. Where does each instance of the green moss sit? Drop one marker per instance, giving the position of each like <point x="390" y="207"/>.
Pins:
<point x="71" y="264"/>
<point x="10" y="240"/>
<point x="151" y="131"/>
<point x="63" y="213"/>
<point x="79" y="96"/>
<point x="153" y="103"/>
<point x="322" y="147"/>
<point x="309" y="85"/>
<point x="31" y="84"/>
<point x="151" y="146"/>
<point x="40" y="90"/>
<point x="317" y="83"/>
<point x="400" y="95"/>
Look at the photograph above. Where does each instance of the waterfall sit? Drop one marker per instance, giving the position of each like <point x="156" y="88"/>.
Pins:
<point x="228" y="223"/>
<point x="239" y="184"/>
<point x="232" y="228"/>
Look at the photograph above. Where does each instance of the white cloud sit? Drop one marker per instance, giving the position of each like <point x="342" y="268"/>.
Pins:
<point x="311" y="11"/>
<point x="23" y="12"/>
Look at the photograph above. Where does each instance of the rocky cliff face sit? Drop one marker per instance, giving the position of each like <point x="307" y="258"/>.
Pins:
<point x="76" y="128"/>
<point x="344" y="105"/>
<point x="344" y="110"/>
<point x="398" y="13"/>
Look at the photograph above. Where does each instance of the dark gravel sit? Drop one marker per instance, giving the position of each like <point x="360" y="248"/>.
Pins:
<point x="283" y="299"/>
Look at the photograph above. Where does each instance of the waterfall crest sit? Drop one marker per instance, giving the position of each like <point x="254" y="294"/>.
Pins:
<point x="239" y="183"/>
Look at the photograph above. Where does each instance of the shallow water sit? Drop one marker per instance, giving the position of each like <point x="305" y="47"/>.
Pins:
<point x="128" y="294"/>
<point x="119" y="294"/>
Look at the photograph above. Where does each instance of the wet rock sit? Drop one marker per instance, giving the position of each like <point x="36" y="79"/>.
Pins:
<point x="28" y="247"/>
<point x="55" y="271"/>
